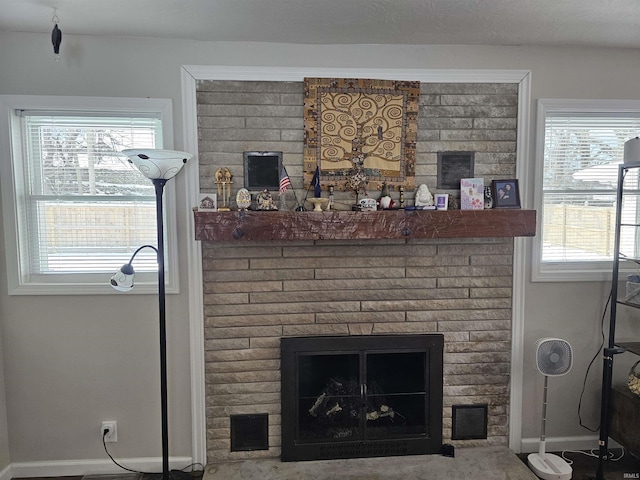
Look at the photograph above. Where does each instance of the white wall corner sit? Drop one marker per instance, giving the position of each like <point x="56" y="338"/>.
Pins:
<point x="519" y="269"/>
<point x="194" y="276"/>
<point x="6" y="473"/>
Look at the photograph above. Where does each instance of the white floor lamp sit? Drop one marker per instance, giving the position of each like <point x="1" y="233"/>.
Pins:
<point x="159" y="166"/>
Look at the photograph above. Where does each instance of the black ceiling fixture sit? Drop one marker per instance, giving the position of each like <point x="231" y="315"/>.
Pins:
<point x="56" y="36"/>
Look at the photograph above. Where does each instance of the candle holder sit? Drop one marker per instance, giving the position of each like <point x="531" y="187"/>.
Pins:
<point x="318" y="203"/>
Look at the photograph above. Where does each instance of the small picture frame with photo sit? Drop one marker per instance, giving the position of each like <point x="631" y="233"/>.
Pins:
<point x="506" y="193"/>
<point x="472" y="194"/>
<point x="208" y="202"/>
<point x="442" y="201"/>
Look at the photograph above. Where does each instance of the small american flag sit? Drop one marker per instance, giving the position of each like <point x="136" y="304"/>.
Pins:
<point x="285" y="182"/>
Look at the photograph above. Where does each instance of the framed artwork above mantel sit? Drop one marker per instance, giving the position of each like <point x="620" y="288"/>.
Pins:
<point x="360" y="128"/>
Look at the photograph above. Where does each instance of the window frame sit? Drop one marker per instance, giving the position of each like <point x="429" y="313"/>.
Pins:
<point x="11" y="184"/>
<point x="595" y="271"/>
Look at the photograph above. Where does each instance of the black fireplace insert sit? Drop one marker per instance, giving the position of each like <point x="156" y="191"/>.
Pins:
<point x="364" y="396"/>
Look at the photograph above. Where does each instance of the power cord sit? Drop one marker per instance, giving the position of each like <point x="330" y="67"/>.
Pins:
<point x="584" y="383"/>
<point x="174" y="474"/>
<point x="592" y="453"/>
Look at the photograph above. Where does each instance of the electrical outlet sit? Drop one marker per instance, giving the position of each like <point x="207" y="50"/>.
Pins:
<point x="111" y="429"/>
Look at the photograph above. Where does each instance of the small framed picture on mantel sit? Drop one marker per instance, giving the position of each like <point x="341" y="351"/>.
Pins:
<point x="208" y="202"/>
<point x="506" y="193"/>
<point x="472" y="194"/>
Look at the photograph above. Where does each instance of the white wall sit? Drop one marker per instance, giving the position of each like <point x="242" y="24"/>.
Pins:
<point x="72" y="362"/>
<point x="4" y="434"/>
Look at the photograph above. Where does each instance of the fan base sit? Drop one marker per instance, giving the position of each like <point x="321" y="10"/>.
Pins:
<point x="549" y="466"/>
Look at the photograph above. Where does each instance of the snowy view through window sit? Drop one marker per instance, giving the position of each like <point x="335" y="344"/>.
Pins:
<point x="581" y="159"/>
<point x="87" y="208"/>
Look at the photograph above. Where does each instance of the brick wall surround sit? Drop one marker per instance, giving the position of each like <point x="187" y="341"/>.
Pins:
<point x="256" y="293"/>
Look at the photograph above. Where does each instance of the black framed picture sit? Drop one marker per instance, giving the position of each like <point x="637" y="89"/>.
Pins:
<point x="454" y="166"/>
<point x="262" y="170"/>
<point x="506" y="193"/>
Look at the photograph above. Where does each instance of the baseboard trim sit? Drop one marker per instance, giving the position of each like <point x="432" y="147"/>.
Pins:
<point x="558" y="444"/>
<point x="84" y="467"/>
<point x="5" y="474"/>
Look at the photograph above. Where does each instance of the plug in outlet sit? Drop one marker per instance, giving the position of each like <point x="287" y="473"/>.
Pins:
<point x="109" y="430"/>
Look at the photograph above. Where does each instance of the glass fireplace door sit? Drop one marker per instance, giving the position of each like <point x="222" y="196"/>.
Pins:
<point x="329" y="401"/>
<point x="395" y="394"/>
<point x="361" y="396"/>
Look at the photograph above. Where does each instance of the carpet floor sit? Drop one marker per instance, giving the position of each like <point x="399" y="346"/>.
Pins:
<point x="491" y="463"/>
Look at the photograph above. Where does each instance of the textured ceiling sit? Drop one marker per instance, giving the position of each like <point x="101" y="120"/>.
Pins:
<point x="608" y="23"/>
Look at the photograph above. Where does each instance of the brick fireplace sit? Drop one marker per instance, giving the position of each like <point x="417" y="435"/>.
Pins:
<point x="256" y="293"/>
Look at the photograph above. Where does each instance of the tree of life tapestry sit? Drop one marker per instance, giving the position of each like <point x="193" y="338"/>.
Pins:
<point x="360" y="133"/>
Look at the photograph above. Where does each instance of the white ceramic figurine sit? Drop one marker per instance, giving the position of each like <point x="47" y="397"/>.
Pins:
<point x="423" y="197"/>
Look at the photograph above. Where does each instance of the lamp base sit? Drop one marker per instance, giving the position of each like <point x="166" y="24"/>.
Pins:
<point x="113" y="476"/>
<point x="173" y="475"/>
<point x="549" y="466"/>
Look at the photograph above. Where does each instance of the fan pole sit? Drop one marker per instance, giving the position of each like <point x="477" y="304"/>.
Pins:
<point x="543" y="434"/>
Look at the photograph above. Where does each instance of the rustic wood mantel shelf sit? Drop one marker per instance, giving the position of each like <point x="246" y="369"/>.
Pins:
<point x="343" y="225"/>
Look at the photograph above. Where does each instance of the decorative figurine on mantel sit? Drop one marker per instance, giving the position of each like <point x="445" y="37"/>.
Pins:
<point x="224" y="182"/>
<point x="488" y="197"/>
<point x="423" y="197"/>
<point x="331" y="203"/>
<point x="264" y="201"/>
<point x="357" y="179"/>
<point x="385" y="202"/>
<point x="243" y="199"/>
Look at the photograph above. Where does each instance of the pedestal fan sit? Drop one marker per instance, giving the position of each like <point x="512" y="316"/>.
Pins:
<point x="553" y="359"/>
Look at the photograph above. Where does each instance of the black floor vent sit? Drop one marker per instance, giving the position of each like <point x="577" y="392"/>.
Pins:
<point x="469" y="422"/>
<point x="249" y="432"/>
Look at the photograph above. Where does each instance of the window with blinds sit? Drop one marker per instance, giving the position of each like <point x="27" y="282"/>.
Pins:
<point x="582" y="147"/>
<point x="81" y="209"/>
<point x="86" y="209"/>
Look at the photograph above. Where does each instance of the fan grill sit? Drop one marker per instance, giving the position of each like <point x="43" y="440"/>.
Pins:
<point x="553" y="356"/>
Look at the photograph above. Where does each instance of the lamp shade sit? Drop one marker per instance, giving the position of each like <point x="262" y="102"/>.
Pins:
<point x="157" y="164"/>
<point x="122" y="280"/>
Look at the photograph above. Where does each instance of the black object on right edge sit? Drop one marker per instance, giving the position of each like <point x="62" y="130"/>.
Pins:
<point x="448" y="450"/>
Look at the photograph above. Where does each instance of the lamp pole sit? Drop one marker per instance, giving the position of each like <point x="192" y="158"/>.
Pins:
<point x="159" y="187"/>
<point x="159" y="166"/>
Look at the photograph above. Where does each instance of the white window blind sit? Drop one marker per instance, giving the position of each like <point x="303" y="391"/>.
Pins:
<point x="74" y="209"/>
<point x="86" y="209"/>
<point x="581" y="153"/>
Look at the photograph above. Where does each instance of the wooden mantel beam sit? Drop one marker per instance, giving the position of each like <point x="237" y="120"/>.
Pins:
<point x="341" y="225"/>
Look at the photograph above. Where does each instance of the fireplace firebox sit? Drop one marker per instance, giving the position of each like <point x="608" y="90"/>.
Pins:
<point x="365" y="396"/>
